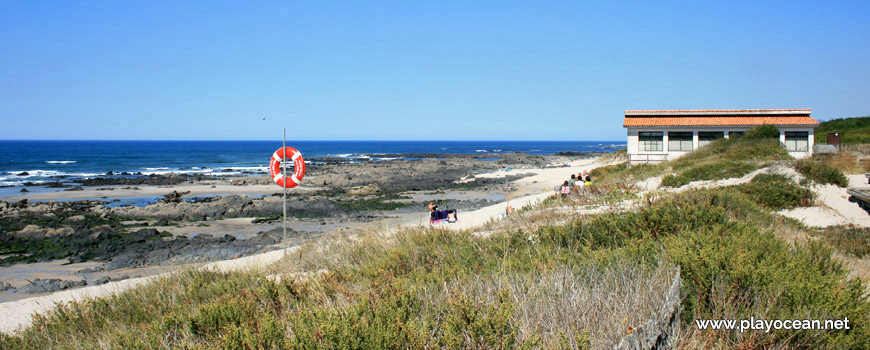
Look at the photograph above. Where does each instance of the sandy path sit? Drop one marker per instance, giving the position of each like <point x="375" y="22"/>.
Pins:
<point x="530" y="190"/>
<point x="835" y="207"/>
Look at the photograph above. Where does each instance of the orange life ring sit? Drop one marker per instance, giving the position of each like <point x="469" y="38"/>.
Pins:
<point x="298" y="167"/>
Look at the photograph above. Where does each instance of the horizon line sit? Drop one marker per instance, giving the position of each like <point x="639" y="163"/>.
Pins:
<point x="236" y="140"/>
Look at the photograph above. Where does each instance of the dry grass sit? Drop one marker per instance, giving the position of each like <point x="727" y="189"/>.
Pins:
<point x="606" y="301"/>
<point x="846" y="162"/>
<point x="591" y="301"/>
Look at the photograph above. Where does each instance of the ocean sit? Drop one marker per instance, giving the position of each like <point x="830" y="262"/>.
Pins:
<point x="48" y="161"/>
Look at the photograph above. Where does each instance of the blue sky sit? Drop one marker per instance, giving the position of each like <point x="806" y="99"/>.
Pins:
<point x="409" y="70"/>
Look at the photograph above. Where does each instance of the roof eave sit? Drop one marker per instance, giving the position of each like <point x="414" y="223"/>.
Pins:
<point x="720" y="126"/>
<point x="711" y="112"/>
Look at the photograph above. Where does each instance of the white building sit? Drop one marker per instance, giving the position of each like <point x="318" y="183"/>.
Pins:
<point x="656" y="136"/>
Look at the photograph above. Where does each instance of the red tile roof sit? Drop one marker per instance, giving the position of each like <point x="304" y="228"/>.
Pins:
<point x="722" y="117"/>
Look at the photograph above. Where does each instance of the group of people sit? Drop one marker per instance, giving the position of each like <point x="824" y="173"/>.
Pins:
<point x="436" y="215"/>
<point x="575" y="183"/>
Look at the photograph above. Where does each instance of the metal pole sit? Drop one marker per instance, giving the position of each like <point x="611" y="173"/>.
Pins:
<point x="284" y="173"/>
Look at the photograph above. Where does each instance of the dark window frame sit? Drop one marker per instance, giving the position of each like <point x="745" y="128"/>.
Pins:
<point x="684" y="141"/>
<point x="651" y="141"/>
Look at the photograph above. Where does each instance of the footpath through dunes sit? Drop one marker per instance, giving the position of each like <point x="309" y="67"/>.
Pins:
<point x="537" y="180"/>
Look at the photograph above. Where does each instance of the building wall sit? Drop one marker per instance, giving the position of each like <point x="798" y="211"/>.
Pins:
<point x="633" y="144"/>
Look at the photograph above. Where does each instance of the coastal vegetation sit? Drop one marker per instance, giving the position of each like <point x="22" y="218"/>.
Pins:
<point x="434" y="288"/>
<point x="844" y="161"/>
<point x="776" y="192"/>
<point x="849" y="240"/>
<point x="821" y="173"/>
<point x="852" y="130"/>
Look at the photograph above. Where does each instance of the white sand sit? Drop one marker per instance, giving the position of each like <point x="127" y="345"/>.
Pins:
<point x="834" y="208"/>
<point x="530" y="190"/>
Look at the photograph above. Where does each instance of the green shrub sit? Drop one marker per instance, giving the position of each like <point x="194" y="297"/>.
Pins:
<point x="821" y="173"/>
<point x="777" y="192"/>
<point x="672" y="180"/>
<point x="709" y="171"/>
<point x="765" y="131"/>
<point x="481" y="325"/>
<point x="714" y="235"/>
<point x="849" y="240"/>
<point x="601" y="173"/>
<point x="383" y="319"/>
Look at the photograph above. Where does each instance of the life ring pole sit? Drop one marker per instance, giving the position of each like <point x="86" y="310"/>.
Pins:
<point x="284" y="173"/>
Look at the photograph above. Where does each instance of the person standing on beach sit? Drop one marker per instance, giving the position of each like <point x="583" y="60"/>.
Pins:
<point x="565" y="189"/>
<point x="572" y="183"/>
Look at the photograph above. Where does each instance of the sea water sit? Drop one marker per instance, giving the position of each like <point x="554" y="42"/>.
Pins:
<point x="67" y="161"/>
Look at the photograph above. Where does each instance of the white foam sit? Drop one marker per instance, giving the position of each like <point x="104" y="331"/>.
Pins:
<point x="40" y="173"/>
<point x="60" y="161"/>
<point x="249" y="168"/>
<point x="154" y="169"/>
<point x="164" y="171"/>
<point x="353" y="156"/>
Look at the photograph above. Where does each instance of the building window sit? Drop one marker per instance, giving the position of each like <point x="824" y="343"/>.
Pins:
<point x="650" y="141"/>
<point x="735" y="134"/>
<point x="680" y="141"/>
<point x="797" y="141"/>
<point x="705" y="137"/>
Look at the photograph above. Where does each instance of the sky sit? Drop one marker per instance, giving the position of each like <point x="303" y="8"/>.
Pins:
<point x="414" y="70"/>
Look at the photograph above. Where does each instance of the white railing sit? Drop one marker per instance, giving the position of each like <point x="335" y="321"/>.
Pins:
<point x="858" y="148"/>
<point x="651" y="158"/>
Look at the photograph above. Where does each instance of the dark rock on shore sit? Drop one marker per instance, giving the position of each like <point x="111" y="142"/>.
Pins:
<point x="89" y="270"/>
<point x="198" y="249"/>
<point x="106" y="279"/>
<point x="40" y="285"/>
<point x="228" y="206"/>
<point x="173" y="197"/>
